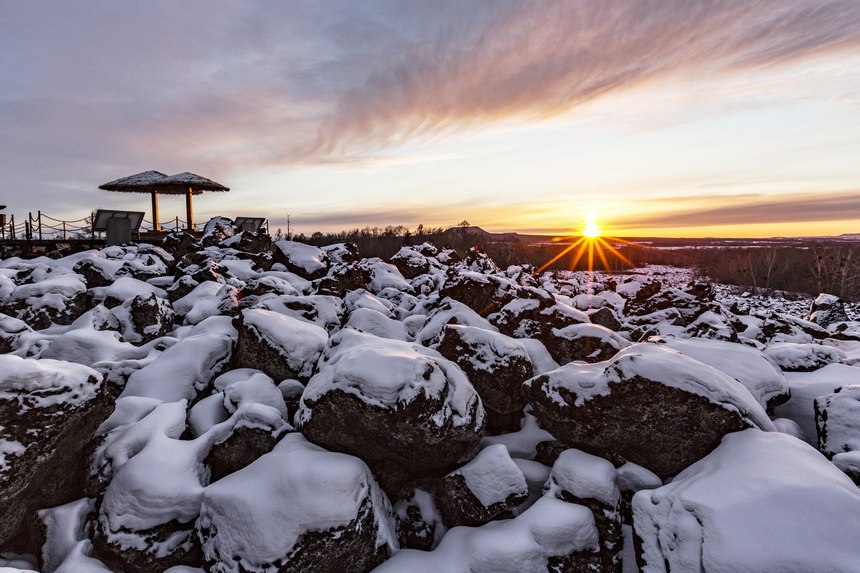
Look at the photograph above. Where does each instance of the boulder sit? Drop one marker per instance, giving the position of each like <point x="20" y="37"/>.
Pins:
<point x="803" y="357"/>
<point x="486" y="487"/>
<point x="297" y="508"/>
<point x="536" y="315"/>
<point x="307" y="261"/>
<point x="578" y="477"/>
<point x="144" y="318"/>
<point x="279" y="345"/>
<point x="324" y="311"/>
<point x="761" y="501"/>
<point x="827" y="309"/>
<point x="368" y="385"/>
<point x="551" y="535"/>
<point x="648" y="405"/>
<point x="837" y="420"/>
<point x="584" y="342"/>
<point x="49" y="410"/>
<point x="496" y="365"/>
<point x="485" y="294"/>
<point x="419" y="524"/>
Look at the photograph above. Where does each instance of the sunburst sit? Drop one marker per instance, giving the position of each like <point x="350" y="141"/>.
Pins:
<point x="589" y="241"/>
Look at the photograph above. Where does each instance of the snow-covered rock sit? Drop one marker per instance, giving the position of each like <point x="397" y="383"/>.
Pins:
<point x="837" y="418"/>
<point x="761" y="501"/>
<point x="297" y="508"/>
<point x="649" y="405"/>
<point x="368" y="385"/>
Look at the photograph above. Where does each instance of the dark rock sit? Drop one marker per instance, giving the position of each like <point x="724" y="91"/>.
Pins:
<point x="496" y="365"/>
<point x="181" y="287"/>
<point x="580" y="478"/>
<point x="605" y="317"/>
<point x="281" y="346"/>
<point x="243" y="446"/>
<point x="250" y="242"/>
<point x="94" y="275"/>
<point x="485" y="294"/>
<point x="535" y="314"/>
<point x="483" y="489"/>
<point x="410" y="262"/>
<point x="217" y="231"/>
<point x="827" y="309"/>
<point x="180" y="536"/>
<point x="342" y="253"/>
<point x="49" y="412"/>
<point x="586" y="342"/>
<point x="180" y="244"/>
<point x="837" y="421"/>
<point x="437" y="413"/>
<point x="418" y="523"/>
<point x="343" y="278"/>
<point x="152" y="317"/>
<point x="647" y="405"/>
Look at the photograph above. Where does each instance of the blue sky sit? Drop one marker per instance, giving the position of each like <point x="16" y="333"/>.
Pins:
<point x="669" y="117"/>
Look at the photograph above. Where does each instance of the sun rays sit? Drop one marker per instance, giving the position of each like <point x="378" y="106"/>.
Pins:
<point x="590" y="241"/>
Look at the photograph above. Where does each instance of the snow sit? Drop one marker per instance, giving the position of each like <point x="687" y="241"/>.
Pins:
<point x="44" y="383"/>
<point x="792" y="356"/>
<point x="542" y="361"/>
<point x="307" y="257"/>
<point x="389" y="373"/>
<point x="839" y="422"/>
<point x="65" y="527"/>
<point x="299" y="343"/>
<point x="585" y="476"/>
<point x="548" y="528"/>
<point x="125" y="288"/>
<point x="322" y="310"/>
<point x="492" y="350"/>
<point x="384" y="275"/>
<point x="633" y="477"/>
<point x="521" y="444"/>
<point x="258" y="389"/>
<point x="9" y="449"/>
<point x="66" y="285"/>
<point x="80" y="560"/>
<point x="492" y="476"/>
<point x="806" y="387"/>
<point x="374" y="322"/>
<point x="759" y="374"/>
<point x="172" y="377"/>
<point x="450" y="312"/>
<point x="762" y="502"/>
<point x="200" y="303"/>
<point x="661" y="365"/>
<point x="257" y="514"/>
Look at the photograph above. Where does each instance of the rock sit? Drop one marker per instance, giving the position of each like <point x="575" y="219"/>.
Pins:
<point x="761" y="501"/>
<point x="181" y="287"/>
<point x="49" y="410"/>
<point x="578" y="477"/>
<point x="246" y="443"/>
<point x="180" y="243"/>
<point x="367" y="385"/>
<point x="419" y="525"/>
<point x="446" y="313"/>
<point x="485" y="294"/>
<point x="496" y="365"/>
<point x="586" y="342"/>
<point x="837" y="421"/>
<point x="145" y="318"/>
<point x="632" y="478"/>
<point x="304" y="260"/>
<point x="827" y="309"/>
<point x="342" y="253"/>
<point x="324" y="311"/>
<point x="606" y="317"/>
<point x="279" y="345"/>
<point x="535" y="316"/>
<point x="297" y="508"/>
<point x="11" y="330"/>
<point x="250" y="242"/>
<point x="217" y="230"/>
<point x="95" y="274"/>
<point x="411" y="262"/>
<point x="648" y="405"/>
<point x="551" y="535"/>
<point x="796" y="357"/>
<point x="487" y="486"/>
<point x="343" y="278"/>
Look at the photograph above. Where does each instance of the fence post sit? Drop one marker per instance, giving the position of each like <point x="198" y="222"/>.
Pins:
<point x="40" y="225"/>
<point x="12" y="227"/>
<point x="64" y="230"/>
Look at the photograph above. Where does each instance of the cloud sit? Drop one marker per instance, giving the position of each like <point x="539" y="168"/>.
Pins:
<point x="752" y="209"/>
<point x="96" y="90"/>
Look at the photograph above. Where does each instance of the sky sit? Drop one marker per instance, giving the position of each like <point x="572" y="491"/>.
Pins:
<point x="659" y="117"/>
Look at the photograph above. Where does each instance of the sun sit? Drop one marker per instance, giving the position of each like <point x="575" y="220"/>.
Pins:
<point x="591" y="230"/>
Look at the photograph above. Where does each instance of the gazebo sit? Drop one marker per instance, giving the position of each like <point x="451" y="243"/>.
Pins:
<point x="155" y="182"/>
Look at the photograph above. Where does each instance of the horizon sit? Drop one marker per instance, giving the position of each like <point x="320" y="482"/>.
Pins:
<point x="672" y="119"/>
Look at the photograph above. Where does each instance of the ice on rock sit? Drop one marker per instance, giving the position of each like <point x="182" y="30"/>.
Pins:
<point x="762" y="502"/>
<point x="297" y="505"/>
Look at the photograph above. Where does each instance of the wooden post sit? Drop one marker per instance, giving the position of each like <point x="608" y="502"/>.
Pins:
<point x="64" y="230"/>
<point x="188" y="212"/>
<point x="40" y="225"/>
<point x="155" y="226"/>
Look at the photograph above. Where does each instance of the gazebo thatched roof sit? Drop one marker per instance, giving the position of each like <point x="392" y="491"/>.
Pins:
<point x="138" y="183"/>
<point x="150" y="181"/>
